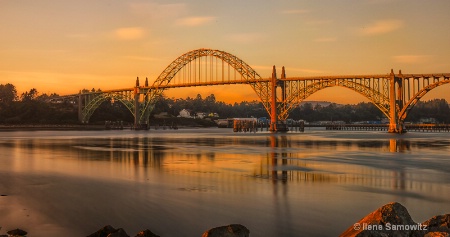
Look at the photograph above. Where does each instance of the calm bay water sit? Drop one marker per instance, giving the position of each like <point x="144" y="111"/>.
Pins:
<point x="181" y="183"/>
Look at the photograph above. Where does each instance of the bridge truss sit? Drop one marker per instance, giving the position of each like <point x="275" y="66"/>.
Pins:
<point x="393" y="94"/>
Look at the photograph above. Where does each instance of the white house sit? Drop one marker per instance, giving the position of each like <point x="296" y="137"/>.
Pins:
<point x="201" y="115"/>
<point x="185" y="113"/>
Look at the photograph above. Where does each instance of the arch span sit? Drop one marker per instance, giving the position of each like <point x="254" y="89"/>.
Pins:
<point x="248" y="75"/>
<point x="416" y="97"/>
<point x="361" y="86"/>
<point x="98" y="98"/>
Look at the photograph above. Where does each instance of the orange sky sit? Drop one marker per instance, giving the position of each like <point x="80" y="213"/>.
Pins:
<point x="64" y="46"/>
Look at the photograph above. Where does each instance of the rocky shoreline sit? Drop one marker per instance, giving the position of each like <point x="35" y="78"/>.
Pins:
<point x="390" y="220"/>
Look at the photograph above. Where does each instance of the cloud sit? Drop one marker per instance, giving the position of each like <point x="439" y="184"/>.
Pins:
<point x="129" y="33"/>
<point x="381" y="27"/>
<point x="294" y="11"/>
<point x="326" y="39"/>
<point x="195" y="21"/>
<point x="411" y="59"/>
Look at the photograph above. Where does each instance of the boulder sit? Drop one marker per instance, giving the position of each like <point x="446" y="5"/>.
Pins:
<point x="233" y="230"/>
<point x="388" y="220"/>
<point x="103" y="232"/>
<point x="146" y="233"/>
<point x="118" y="233"/>
<point x="17" y="232"/>
<point x="439" y="223"/>
<point x="437" y="234"/>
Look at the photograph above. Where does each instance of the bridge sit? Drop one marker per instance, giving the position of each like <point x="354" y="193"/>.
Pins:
<point x="394" y="94"/>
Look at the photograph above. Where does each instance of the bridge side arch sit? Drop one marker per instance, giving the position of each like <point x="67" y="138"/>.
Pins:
<point x="95" y="102"/>
<point x="246" y="72"/>
<point x="379" y="99"/>
<point x="416" y="98"/>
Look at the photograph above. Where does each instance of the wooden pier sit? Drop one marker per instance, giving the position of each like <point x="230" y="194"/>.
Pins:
<point x="253" y="126"/>
<point x="385" y="127"/>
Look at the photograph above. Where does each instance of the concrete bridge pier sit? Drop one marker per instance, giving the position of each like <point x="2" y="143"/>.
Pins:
<point x="277" y="125"/>
<point x="273" y="102"/>
<point x="395" y="104"/>
<point x="137" y="106"/>
<point x="80" y="109"/>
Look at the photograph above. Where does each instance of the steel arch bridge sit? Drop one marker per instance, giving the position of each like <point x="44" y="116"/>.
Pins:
<point x="394" y="94"/>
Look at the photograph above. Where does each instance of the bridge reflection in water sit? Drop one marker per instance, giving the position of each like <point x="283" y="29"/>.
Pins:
<point x="281" y="158"/>
<point x="277" y="158"/>
<point x="286" y="180"/>
<point x="283" y="167"/>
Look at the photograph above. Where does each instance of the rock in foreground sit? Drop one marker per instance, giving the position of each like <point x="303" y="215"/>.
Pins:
<point x="394" y="220"/>
<point x="109" y="231"/>
<point x="439" y="223"/>
<point x="146" y="233"/>
<point x="381" y="221"/>
<point x="17" y="232"/>
<point x="233" y="230"/>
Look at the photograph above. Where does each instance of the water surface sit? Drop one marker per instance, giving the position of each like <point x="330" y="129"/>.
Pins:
<point x="181" y="183"/>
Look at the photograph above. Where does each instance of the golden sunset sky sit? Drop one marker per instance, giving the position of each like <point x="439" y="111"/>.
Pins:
<point x="64" y="46"/>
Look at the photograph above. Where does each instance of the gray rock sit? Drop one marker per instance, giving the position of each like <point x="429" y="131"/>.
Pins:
<point x="146" y="233"/>
<point x="233" y="230"/>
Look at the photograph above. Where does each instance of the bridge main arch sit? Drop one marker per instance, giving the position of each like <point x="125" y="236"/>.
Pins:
<point x="247" y="76"/>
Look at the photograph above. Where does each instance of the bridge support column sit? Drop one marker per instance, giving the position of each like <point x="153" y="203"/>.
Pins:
<point x="137" y="107"/>
<point x="395" y="125"/>
<point x="273" y="102"/>
<point x="80" y="108"/>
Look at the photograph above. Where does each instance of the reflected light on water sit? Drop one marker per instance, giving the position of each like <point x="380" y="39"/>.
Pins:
<point x="292" y="181"/>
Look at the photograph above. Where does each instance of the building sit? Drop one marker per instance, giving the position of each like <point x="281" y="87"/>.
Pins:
<point x="184" y="113"/>
<point x="201" y="115"/>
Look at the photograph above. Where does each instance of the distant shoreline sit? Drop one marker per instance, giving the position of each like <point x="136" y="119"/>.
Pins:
<point x="81" y="127"/>
<point x="35" y="127"/>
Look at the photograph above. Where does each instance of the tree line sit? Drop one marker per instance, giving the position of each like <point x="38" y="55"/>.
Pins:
<point x="31" y="107"/>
